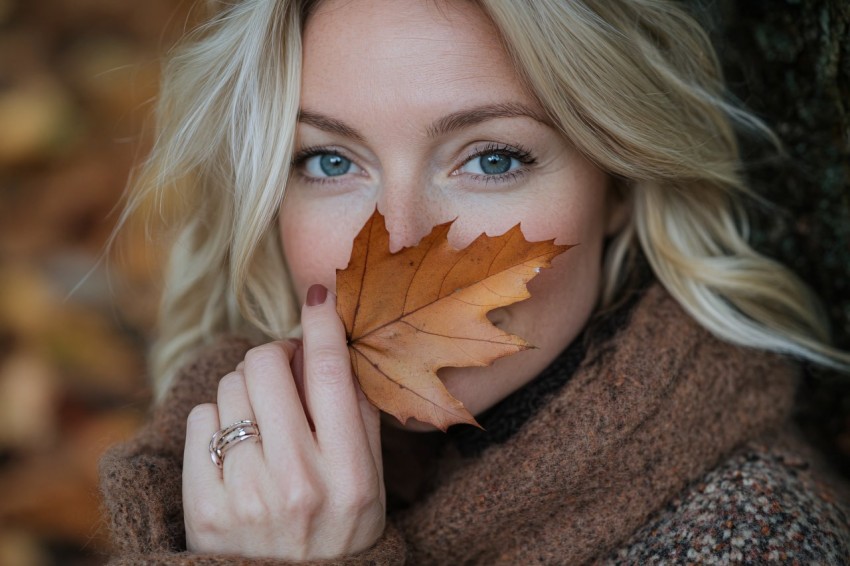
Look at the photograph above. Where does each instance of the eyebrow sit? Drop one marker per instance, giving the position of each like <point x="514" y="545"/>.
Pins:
<point x="329" y="124"/>
<point x="470" y="117"/>
<point x="449" y="123"/>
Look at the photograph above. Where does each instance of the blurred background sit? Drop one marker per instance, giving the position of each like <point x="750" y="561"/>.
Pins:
<point x="77" y="78"/>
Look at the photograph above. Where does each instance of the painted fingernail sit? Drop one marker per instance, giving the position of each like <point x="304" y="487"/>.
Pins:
<point x="316" y="295"/>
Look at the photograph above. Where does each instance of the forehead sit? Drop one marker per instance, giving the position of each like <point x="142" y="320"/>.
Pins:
<point x="435" y="54"/>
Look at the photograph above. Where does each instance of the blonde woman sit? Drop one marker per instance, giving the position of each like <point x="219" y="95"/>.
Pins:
<point x="651" y="423"/>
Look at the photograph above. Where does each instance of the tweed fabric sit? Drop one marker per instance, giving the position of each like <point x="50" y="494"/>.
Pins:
<point x="650" y="418"/>
<point x="760" y="507"/>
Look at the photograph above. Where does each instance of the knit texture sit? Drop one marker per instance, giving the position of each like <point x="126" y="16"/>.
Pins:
<point x="506" y="417"/>
<point x="651" y="421"/>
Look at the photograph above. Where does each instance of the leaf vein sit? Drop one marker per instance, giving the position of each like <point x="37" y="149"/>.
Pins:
<point x="415" y="273"/>
<point x="425" y="306"/>
<point x="401" y="385"/>
<point x="449" y="337"/>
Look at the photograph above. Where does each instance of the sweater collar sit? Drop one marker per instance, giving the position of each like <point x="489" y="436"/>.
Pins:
<point x="507" y="417"/>
<point x="646" y="413"/>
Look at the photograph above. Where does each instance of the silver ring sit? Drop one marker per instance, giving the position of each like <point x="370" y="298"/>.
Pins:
<point x="229" y="436"/>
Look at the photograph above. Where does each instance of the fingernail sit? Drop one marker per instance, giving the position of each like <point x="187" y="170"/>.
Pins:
<point x="316" y="295"/>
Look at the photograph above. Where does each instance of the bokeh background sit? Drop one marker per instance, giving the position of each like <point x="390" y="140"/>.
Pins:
<point x="77" y="78"/>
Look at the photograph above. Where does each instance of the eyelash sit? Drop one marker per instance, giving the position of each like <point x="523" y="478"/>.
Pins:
<point x="312" y="151"/>
<point x="515" y="151"/>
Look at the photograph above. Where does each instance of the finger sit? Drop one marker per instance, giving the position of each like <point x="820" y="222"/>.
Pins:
<point x="274" y="397"/>
<point x="233" y="402"/>
<point x="234" y="406"/>
<point x="329" y="388"/>
<point x="297" y="366"/>
<point x="202" y="481"/>
<point x="371" y="416"/>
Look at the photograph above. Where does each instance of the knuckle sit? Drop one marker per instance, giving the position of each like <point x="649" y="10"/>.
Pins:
<point x="201" y="413"/>
<point x="328" y="366"/>
<point x="251" y="507"/>
<point x="203" y="516"/>
<point x="232" y="382"/>
<point x="355" y="503"/>
<point x="288" y="346"/>
<point x="304" y="499"/>
<point x="358" y="496"/>
<point x="266" y="357"/>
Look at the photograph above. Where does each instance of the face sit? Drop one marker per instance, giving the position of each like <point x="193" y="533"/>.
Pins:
<point x="415" y="107"/>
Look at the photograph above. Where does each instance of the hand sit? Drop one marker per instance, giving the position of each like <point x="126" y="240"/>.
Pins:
<point x="313" y="486"/>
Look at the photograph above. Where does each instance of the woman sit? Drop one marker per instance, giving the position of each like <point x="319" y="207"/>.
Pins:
<point x="649" y="423"/>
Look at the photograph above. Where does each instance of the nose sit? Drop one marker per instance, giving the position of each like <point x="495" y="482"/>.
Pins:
<point x="410" y="210"/>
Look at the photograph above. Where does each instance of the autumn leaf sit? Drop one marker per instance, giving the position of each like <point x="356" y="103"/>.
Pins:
<point x="410" y="313"/>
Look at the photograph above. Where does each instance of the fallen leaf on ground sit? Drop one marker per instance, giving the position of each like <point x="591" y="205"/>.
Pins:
<point x="410" y="313"/>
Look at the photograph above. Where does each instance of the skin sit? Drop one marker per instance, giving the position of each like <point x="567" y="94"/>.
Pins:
<point x="407" y="98"/>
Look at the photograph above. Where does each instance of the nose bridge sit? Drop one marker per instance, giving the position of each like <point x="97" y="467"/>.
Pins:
<point x="408" y="208"/>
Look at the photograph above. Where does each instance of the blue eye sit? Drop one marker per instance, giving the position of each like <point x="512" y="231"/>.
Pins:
<point x="329" y="165"/>
<point x="494" y="164"/>
<point x="489" y="164"/>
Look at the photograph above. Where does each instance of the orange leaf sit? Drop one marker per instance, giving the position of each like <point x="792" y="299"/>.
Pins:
<point x="423" y="308"/>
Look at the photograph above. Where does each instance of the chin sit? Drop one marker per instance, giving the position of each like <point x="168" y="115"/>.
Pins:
<point x="461" y="385"/>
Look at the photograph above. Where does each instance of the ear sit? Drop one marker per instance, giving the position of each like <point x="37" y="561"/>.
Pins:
<point x="618" y="204"/>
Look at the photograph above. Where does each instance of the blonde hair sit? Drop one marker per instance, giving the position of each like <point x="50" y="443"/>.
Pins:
<point x="633" y="84"/>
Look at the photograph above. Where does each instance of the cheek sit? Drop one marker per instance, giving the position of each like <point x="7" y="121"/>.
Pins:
<point x="572" y="211"/>
<point x="563" y="297"/>
<point x="316" y="245"/>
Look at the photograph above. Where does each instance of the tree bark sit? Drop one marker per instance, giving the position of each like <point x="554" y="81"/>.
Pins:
<point x="789" y="62"/>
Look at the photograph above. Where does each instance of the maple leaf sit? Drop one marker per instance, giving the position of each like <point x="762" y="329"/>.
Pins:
<point x="410" y="313"/>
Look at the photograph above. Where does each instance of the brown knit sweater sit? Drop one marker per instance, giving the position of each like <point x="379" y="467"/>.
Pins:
<point x="664" y="445"/>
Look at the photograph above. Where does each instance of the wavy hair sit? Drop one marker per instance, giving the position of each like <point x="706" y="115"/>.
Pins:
<point x="635" y="85"/>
